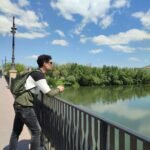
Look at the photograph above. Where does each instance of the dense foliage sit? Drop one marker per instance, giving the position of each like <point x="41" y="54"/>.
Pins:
<point x="19" y="67"/>
<point x="79" y="75"/>
<point x="76" y="75"/>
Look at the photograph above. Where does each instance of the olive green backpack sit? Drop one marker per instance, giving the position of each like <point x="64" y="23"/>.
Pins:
<point x="18" y="84"/>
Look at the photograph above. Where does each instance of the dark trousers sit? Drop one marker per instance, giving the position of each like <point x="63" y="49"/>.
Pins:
<point x="27" y="116"/>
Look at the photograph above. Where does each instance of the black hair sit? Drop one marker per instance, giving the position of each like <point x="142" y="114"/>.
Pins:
<point x="43" y="58"/>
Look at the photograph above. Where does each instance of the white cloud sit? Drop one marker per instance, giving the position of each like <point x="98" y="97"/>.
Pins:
<point x="89" y="10"/>
<point x="9" y="8"/>
<point x="24" y="18"/>
<point x="23" y="3"/>
<point x="122" y="48"/>
<point x="144" y="18"/>
<point x="60" y="33"/>
<point x="31" y="35"/>
<point x="120" y="3"/>
<point x="120" y="41"/>
<point x="143" y="48"/>
<point x="146" y="49"/>
<point x="81" y="26"/>
<point x="33" y="57"/>
<point x="60" y="42"/>
<point x="84" y="39"/>
<point x="95" y="51"/>
<point x="132" y="35"/>
<point x="134" y="59"/>
<point x="106" y="22"/>
<point x="30" y="21"/>
<point x="5" y="25"/>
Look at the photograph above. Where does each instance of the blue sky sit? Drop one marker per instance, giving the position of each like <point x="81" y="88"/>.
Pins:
<point x="89" y="32"/>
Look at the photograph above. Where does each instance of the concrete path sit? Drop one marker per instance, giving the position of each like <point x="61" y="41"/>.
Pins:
<point x="6" y="119"/>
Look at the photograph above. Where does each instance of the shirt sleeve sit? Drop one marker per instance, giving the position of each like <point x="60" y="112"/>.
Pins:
<point x="40" y="81"/>
<point x="53" y="92"/>
<point x="43" y="86"/>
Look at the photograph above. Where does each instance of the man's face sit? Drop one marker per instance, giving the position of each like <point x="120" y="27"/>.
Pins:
<point x="48" y="65"/>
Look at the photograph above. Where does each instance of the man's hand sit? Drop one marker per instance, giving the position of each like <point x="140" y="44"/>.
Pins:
<point x="61" y="88"/>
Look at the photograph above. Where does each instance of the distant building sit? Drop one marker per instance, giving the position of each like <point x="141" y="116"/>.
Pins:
<point x="148" y="67"/>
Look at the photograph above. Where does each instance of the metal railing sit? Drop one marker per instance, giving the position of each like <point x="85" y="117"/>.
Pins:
<point x="69" y="127"/>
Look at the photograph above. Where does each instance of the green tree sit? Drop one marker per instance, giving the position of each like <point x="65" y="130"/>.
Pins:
<point x="70" y="80"/>
<point x="96" y="76"/>
<point x="19" y="67"/>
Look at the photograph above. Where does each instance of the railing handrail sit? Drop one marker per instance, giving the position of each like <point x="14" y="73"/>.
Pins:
<point x="116" y="125"/>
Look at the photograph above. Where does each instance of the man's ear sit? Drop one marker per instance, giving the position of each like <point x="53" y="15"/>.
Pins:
<point x="44" y="63"/>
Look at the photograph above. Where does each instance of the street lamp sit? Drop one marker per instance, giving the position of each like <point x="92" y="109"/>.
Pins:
<point x="5" y="66"/>
<point x="12" y="71"/>
<point x="13" y="31"/>
<point x="2" y="68"/>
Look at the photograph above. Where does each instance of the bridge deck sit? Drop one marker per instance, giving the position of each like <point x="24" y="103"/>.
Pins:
<point x="6" y="119"/>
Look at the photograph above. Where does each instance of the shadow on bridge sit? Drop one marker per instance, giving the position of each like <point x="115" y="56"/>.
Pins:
<point x="22" y="145"/>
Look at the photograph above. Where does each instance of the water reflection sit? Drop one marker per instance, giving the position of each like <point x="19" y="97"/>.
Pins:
<point x="128" y="105"/>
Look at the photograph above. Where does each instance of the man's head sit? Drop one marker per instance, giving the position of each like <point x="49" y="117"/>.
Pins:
<point x="45" y="62"/>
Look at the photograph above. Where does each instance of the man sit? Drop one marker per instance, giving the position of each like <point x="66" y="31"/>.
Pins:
<point x="23" y="106"/>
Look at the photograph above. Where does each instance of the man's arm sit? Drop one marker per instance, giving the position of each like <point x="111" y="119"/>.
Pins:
<point x="41" y="83"/>
<point x="53" y="92"/>
<point x="56" y="91"/>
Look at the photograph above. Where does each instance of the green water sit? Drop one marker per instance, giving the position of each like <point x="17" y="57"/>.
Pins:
<point x="127" y="105"/>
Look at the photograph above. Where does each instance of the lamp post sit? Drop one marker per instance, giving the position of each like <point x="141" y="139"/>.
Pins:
<point x="5" y="66"/>
<point x="13" y="31"/>
<point x="13" y="72"/>
<point x="2" y="68"/>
